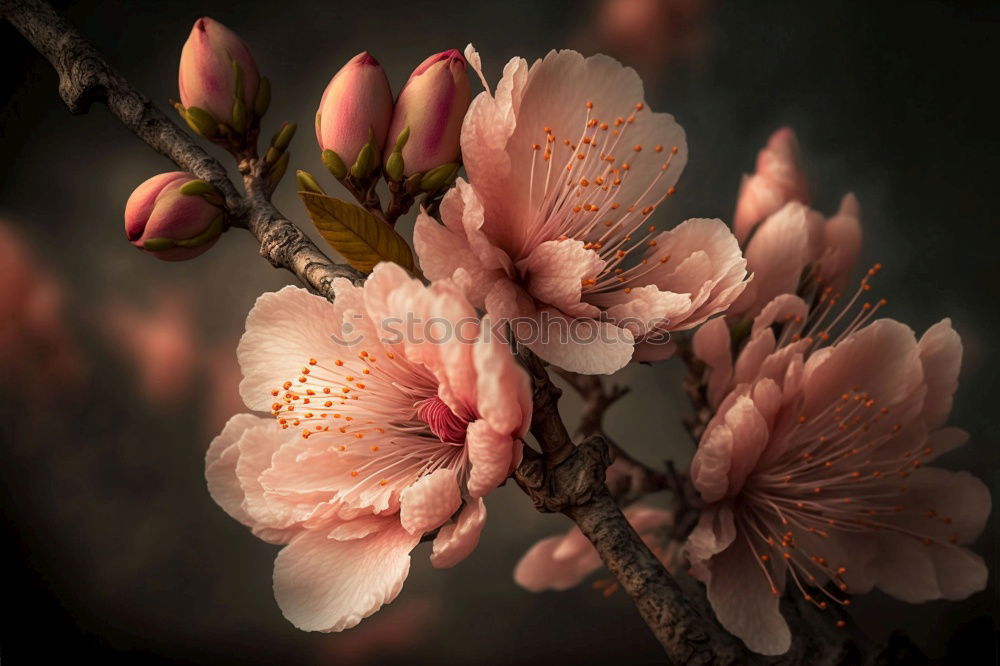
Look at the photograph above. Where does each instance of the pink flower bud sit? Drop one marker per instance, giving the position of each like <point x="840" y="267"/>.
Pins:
<point x="357" y="101"/>
<point x="432" y="104"/>
<point x="207" y="77"/>
<point x="173" y="226"/>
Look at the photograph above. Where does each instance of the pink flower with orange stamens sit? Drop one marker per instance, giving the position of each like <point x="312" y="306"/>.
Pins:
<point x="813" y="467"/>
<point x="566" y="164"/>
<point x="379" y="434"/>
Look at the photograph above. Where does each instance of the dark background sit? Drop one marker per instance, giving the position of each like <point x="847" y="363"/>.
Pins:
<point x="112" y="547"/>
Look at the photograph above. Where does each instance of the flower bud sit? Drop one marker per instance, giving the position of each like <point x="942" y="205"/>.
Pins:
<point x="218" y="75"/>
<point x="356" y="106"/>
<point x="174" y="216"/>
<point x="432" y="106"/>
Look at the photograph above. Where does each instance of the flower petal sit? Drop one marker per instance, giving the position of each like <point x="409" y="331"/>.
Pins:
<point x="430" y="501"/>
<point x="456" y="541"/>
<point x="489" y="454"/>
<point x="741" y="597"/>
<point x="323" y="584"/>
<point x="283" y="331"/>
<point x="220" y="465"/>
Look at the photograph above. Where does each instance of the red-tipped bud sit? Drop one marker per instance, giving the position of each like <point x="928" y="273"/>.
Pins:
<point x="173" y="216"/>
<point x="218" y="74"/>
<point x="356" y="105"/>
<point x="432" y="105"/>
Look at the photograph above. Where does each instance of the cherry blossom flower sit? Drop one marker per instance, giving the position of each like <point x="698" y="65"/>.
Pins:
<point x="551" y="232"/>
<point x="373" y="440"/>
<point x="813" y="467"/>
<point x="788" y="245"/>
<point x="777" y="180"/>
<point x="564" y="561"/>
<point x="797" y="248"/>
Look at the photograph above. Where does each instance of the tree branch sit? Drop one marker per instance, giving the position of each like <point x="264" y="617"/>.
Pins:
<point x="86" y="77"/>
<point x="570" y="479"/>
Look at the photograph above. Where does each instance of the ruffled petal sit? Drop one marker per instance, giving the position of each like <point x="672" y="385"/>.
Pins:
<point x="430" y="501"/>
<point x="322" y="584"/>
<point x="220" y="465"/>
<point x="489" y="455"/>
<point x="456" y="541"/>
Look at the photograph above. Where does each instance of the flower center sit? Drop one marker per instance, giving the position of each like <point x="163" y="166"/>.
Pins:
<point x="575" y="183"/>
<point x="448" y="426"/>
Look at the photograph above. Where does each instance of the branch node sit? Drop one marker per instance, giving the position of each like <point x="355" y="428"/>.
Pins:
<point x="557" y="484"/>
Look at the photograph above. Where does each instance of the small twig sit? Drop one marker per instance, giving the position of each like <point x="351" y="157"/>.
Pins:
<point x="85" y="77"/>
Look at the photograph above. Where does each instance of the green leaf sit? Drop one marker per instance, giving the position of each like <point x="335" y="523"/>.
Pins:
<point x="359" y="237"/>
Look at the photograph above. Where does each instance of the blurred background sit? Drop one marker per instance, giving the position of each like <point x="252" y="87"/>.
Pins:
<point x="118" y="369"/>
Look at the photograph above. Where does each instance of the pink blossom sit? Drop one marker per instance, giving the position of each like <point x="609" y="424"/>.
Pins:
<point x="788" y="245"/>
<point x="432" y="105"/>
<point x="564" y="561"/>
<point x="356" y="105"/>
<point x="777" y="180"/>
<point x="207" y="75"/>
<point x="566" y="164"/>
<point x="161" y="220"/>
<point x="813" y="467"/>
<point x="798" y="248"/>
<point x="373" y="442"/>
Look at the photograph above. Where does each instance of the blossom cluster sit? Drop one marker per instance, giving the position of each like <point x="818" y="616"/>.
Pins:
<point x="812" y="464"/>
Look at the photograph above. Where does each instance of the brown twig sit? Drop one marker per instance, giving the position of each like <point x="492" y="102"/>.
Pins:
<point x="85" y="77"/>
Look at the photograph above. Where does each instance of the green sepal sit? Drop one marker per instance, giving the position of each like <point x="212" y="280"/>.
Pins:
<point x="263" y="101"/>
<point x="307" y="183"/>
<point x="211" y="232"/>
<point x="239" y="116"/>
<point x="334" y="164"/>
<point x="439" y="176"/>
<point x="394" y="165"/>
<point x="277" y="172"/>
<point x="201" y="121"/>
<point x="284" y="136"/>
<point x="365" y="163"/>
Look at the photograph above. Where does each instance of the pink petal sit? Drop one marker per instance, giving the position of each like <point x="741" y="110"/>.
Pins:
<point x="778" y="180"/>
<point x="322" y="584"/>
<point x="220" y="465"/>
<point x="880" y="359"/>
<point x="489" y="455"/>
<point x="777" y="254"/>
<point x="842" y="238"/>
<point x="741" y="597"/>
<point x="941" y="355"/>
<point x="456" y="541"/>
<point x="712" y="345"/>
<point x="710" y="465"/>
<point x="503" y="388"/>
<point x="714" y="533"/>
<point x="587" y="346"/>
<point x="430" y="501"/>
<point x="443" y="251"/>
<point x="542" y="567"/>
<point x="283" y="331"/>
<point x="554" y="272"/>
<point x="750" y="436"/>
